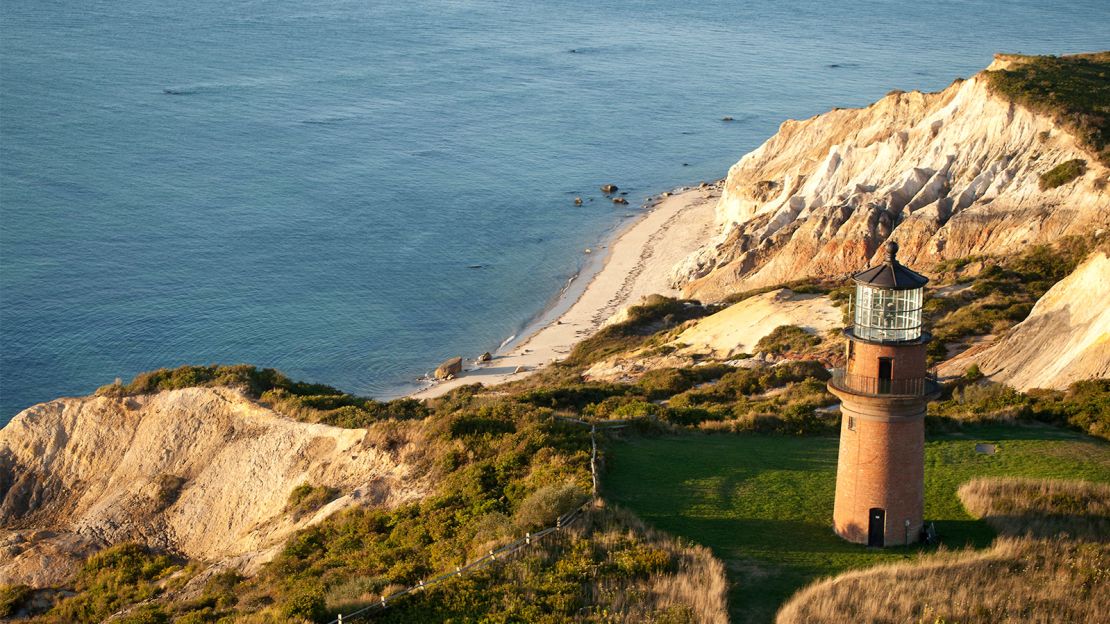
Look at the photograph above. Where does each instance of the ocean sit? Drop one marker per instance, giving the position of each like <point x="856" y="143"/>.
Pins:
<point x="351" y="192"/>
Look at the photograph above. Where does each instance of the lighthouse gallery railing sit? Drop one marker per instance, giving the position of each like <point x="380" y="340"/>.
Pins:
<point x="874" y="386"/>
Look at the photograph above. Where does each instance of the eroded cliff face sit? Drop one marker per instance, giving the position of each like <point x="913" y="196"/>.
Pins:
<point x="947" y="175"/>
<point x="201" y="471"/>
<point x="1066" y="337"/>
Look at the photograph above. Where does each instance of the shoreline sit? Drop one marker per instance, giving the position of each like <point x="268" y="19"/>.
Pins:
<point x="638" y="258"/>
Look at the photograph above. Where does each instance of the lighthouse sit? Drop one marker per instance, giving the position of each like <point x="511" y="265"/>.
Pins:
<point x="883" y="390"/>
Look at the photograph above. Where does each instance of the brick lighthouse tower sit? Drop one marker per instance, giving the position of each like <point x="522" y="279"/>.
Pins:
<point x="883" y="389"/>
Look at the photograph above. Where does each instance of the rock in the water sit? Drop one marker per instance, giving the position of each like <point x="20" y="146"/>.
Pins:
<point x="726" y="118"/>
<point x="577" y="201"/>
<point x="485" y="357"/>
<point x="609" y="188"/>
<point x="449" y="368"/>
<point x="620" y="200"/>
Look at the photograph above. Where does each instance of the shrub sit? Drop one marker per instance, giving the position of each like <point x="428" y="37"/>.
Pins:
<point x="306" y="499"/>
<point x="169" y="488"/>
<point x="787" y="339"/>
<point x="1063" y="173"/>
<point x="641" y="561"/>
<point x="1085" y="405"/>
<point x="542" y="507"/>
<point x="306" y="604"/>
<point x="13" y="598"/>
<point x="664" y="382"/>
<point x="113" y="579"/>
<point x="145" y="615"/>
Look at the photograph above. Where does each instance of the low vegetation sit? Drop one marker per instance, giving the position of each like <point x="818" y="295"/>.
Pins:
<point x="303" y="401"/>
<point x="305" y="499"/>
<point x="13" y="599"/>
<point x="1073" y="90"/>
<point x="1084" y="406"/>
<point x="1063" y="173"/>
<point x="655" y="314"/>
<point x="1043" y="508"/>
<point x="113" y="579"/>
<point x="1015" y="581"/>
<point x="787" y="339"/>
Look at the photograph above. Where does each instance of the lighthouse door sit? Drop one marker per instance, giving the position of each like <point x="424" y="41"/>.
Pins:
<point x="886" y="373"/>
<point x="876" y="526"/>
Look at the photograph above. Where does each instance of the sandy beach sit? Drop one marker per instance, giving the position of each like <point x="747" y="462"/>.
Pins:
<point x="637" y="262"/>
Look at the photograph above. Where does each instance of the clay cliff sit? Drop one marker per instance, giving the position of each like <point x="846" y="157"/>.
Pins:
<point x="204" y="472"/>
<point x="947" y="174"/>
<point x="1065" y="338"/>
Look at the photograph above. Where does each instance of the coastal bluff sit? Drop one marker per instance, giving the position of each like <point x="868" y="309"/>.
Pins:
<point x="948" y="175"/>
<point x="204" y="472"/>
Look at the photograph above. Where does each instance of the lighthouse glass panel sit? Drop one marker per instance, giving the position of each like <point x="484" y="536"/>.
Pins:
<point x="885" y="315"/>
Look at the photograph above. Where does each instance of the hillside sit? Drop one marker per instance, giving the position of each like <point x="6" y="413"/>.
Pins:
<point x="204" y="472"/>
<point x="1065" y="338"/>
<point x="948" y="175"/>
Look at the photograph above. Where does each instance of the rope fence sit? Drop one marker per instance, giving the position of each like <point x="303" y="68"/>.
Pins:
<point x="509" y="549"/>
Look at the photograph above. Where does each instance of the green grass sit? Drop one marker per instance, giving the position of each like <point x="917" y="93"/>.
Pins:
<point x="764" y="503"/>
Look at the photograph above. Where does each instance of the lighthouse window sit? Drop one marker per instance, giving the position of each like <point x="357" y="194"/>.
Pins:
<point x="887" y="315"/>
<point x="851" y="423"/>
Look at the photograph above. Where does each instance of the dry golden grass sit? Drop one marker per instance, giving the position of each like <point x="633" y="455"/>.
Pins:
<point x="1016" y="580"/>
<point x="1034" y="573"/>
<point x="693" y="592"/>
<point x="1041" y="507"/>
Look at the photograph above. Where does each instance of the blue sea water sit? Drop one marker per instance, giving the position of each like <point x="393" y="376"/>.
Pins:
<point x="305" y="185"/>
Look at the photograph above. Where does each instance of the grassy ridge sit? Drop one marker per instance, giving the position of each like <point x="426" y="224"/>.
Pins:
<point x="764" y="504"/>
<point x="1074" y="90"/>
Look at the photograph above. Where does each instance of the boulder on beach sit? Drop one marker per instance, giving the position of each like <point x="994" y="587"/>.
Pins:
<point x="609" y="188"/>
<point x="485" y="357"/>
<point x="449" y="368"/>
<point x="520" y="369"/>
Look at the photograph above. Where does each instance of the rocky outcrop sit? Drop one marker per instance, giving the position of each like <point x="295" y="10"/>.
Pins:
<point x="1066" y="337"/>
<point x="947" y="174"/>
<point x="449" y="368"/>
<point x="204" y="472"/>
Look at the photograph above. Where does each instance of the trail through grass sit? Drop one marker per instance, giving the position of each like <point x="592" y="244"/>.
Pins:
<point x="764" y="503"/>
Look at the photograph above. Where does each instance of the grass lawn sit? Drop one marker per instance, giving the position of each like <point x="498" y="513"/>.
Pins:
<point x="764" y="503"/>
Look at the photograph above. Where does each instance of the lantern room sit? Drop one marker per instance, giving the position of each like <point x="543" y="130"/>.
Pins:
<point x="888" y="301"/>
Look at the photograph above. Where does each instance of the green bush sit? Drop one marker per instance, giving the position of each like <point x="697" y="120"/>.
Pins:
<point x="306" y="499"/>
<point x="306" y="604"/>
<point x="1085" y="405"/>
<point x="664" y="382"/>
<point x="13" y="598"/>
<point x="1063" y="173"/>
<point x="145" y="615"/>
<point x="787" y="339"/>
<point x="111" y="580"/>
<point x="542" y="507"/>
